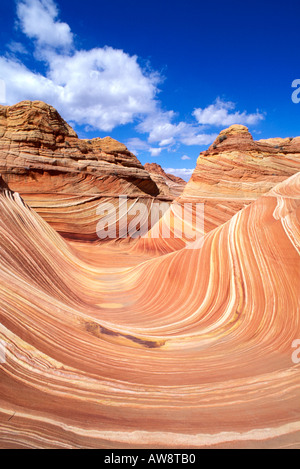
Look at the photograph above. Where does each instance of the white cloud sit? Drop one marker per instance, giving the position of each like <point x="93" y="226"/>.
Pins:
<point x="184" y="173"/>
<point x="218" y="114"/>
<point x="161" y="130"/>
<point x="101" y="88"/>
<point x="21" y="83"/>
<point x="17" y="48"/>
<point x="159" y="127"/>
<point x="185" y="157"/>
<point x="193" y="136"/>
<point x="155" y="151"/>
<point x="38" y="20"/>
<point x="136" y="144"/>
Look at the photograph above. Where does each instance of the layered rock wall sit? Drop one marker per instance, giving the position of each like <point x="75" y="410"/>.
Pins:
<point x="236" y="170"/>
<point x="63" y="177"/>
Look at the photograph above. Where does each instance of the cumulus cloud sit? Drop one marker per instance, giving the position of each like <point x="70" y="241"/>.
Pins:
<point x="155" y="151"/>
<point x="219" y="114"/>
<point x="185" y="157"/>
<point x="38" y="19"/>
<point x="21" y="83"/>
<point x="162" y="130"/>
<point x="159" y="127"/>
<point x="136" y="144"/>
<point x="193" y="136"/>
<point x="101" y="88"/>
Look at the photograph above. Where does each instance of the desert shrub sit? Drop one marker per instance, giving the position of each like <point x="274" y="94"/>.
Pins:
<point x="222" y="138"/>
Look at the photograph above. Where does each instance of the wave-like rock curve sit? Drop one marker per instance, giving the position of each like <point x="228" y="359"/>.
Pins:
<point x="189" y="349"/>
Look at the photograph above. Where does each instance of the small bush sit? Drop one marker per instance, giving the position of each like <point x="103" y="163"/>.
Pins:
<point x="221" y="139"/>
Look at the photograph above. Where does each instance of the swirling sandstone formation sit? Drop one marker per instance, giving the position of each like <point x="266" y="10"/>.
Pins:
<point x="186" y="350"/>
<point x="230" y="175"/>
<point x="157" y="342"/>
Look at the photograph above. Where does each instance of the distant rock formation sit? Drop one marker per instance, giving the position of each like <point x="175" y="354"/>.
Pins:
<point x="236" y="170"/>
<point x="63" y="177"/>
<point x="35" y="139"/>
<point x="175" y="183"/>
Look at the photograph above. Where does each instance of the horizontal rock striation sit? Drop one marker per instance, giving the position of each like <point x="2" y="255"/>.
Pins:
<point x="236" y="170"/>
<point x="63" y="177"/>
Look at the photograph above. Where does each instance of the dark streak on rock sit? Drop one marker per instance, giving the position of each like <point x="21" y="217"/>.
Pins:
<point x="108" y="331"/>
<point x="97" y="330"/>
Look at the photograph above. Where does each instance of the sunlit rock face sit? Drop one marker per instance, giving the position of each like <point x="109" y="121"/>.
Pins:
<point x="236" y="170"/>
<point x="186" y="350"/>
<point x="64" y="178"/>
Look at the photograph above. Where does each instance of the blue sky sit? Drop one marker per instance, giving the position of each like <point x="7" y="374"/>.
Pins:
<point x="164" y="77"/>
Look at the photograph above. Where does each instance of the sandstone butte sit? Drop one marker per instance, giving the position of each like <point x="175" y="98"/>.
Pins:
<point x="63" y="177"/>
<point x="110" y="346"/>
<point x="175" y="183"/>
<point x="236" y="170"/>
<point x="231" y="174"/>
